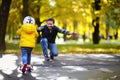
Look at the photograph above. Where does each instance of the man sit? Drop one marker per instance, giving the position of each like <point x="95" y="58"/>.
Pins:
<point x="49" y="33"/>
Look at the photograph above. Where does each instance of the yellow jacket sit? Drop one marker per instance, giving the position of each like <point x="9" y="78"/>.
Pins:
<point x="28" y="35"/>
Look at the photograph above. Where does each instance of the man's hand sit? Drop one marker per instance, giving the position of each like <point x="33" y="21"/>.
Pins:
<point x="74" y="34"/>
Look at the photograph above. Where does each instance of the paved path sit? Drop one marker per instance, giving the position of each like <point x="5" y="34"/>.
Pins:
<point x="65" y="67"/>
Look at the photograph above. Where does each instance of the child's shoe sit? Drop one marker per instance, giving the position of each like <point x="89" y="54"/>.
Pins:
<point x="29" y="68"/>
<point x="24" y="68"/>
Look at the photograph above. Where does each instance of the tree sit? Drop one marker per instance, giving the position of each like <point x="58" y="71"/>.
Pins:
<point x="95" y="22"/>
<point x="25" y="8"/>
<point x="14" y="19"/>
<point x="4" y="13"/>
<point x="96" y="37"/>
<point x="110" y="16"/>
<point x="70" y="14"/>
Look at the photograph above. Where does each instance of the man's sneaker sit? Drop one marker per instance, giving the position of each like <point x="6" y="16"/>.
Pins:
<point x="24" y="68"/>
<point x="52" y="57"/>
<point x="46" y="58"/>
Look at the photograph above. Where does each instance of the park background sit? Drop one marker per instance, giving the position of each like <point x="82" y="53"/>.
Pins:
<point x="97" y="23"/>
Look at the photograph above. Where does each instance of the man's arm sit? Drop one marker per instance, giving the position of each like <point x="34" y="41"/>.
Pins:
<point x="64" y="31"/>
<point x="67" y="32"/>
<point x="40" y="28"/>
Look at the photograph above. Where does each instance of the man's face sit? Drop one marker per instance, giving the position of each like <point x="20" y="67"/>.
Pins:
<point x="50" y="24"/>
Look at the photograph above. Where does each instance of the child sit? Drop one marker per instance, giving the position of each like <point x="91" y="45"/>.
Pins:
<point x="28" y="35"/>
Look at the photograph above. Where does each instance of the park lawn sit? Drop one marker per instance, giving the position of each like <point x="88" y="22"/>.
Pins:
<point x="71" y="48"/>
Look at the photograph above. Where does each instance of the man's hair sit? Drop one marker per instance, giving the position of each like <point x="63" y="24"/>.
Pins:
<point x="51" y="19"/>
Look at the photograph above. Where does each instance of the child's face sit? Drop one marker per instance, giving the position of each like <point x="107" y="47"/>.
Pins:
<point x="50" y="24"/>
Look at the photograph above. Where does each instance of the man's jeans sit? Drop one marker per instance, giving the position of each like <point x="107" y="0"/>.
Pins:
<point x="26" y="55"/>
<point x="51" y="46"/>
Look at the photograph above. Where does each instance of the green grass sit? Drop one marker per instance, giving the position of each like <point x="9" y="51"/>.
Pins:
<point x="90" y="48"/>
<point x="72" y="48"/>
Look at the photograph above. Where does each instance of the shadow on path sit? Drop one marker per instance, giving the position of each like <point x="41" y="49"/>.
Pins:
<point x="64" y="67"/>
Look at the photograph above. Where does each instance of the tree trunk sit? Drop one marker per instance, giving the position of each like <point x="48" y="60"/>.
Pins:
<point x="25" y="9"/>
<point x="107" y="31"/>
<point x="96" y="37"/>
<point x="107" y="26"/>
<point x="4" y="12"/>
<point x="64" y="27"/>
<point x="116" y="34"/>
<point x="39" y="24"/>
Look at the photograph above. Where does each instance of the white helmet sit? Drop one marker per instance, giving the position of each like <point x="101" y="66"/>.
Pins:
<point x="29" y="20"/>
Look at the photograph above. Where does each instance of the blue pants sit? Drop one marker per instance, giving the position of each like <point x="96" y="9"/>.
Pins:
<point x="26" y="55"/>
<point x="51" y="46"/>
